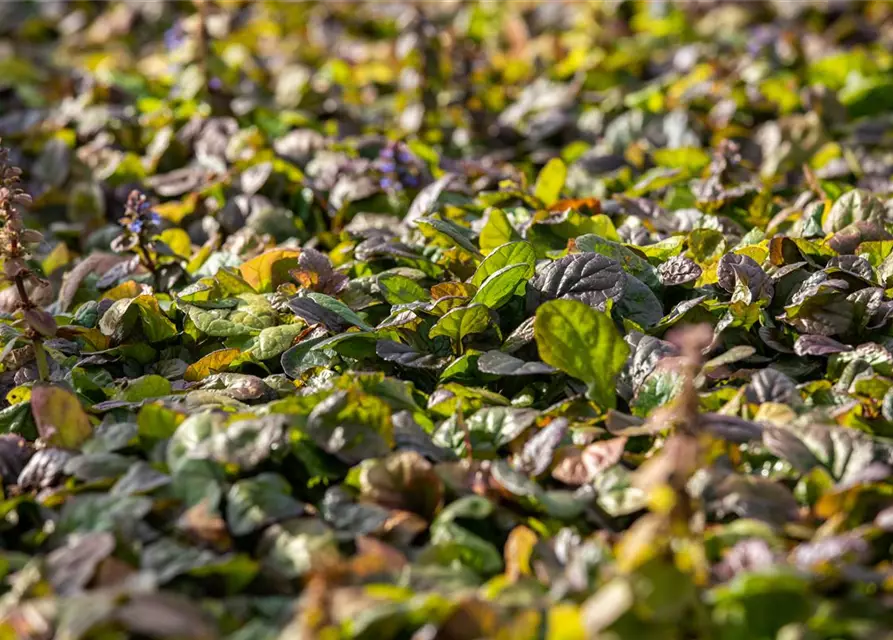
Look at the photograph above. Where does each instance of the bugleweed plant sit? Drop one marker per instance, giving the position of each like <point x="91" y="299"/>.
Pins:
<point x="446" y="320"/>
<point x="34" y="324"/>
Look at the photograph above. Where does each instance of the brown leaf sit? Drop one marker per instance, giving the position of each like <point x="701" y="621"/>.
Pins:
<point x="390" y="557"/>
<point x="41" y="322"/>
<point x="404" y="480"/>
<point x="203" y="525"/>
<point x="402" y="527"/>
<point x="602" y="455"/>
<point x="97" y="262"/>
<point x="848" y="239"/>
<point x="60" y="419"/>
<point x="577" y="467"/>
<point x="38" y="292"/>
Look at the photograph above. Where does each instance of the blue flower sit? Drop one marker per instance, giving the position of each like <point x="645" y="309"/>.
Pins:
<point x="387" y="152"/>
<point x="173" y="37"/>
<point x="215" y="83"/>
<point x="410" y="181"/>
<point x="404" y="156"/>
<point x="136" y="226"/>
<point x="387" y="166"/>
<point x="154" y="218"/>
<point x="386" y="183"/>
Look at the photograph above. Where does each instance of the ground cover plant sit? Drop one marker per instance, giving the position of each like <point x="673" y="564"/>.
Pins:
<point x="446" y="320"/>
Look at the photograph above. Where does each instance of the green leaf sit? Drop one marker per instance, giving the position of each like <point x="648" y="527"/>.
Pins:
<point x="582" y="342"/>
<point x="256" y="502"/>
<point x="639" y="304"/>
<point x="306" y="355"/>
<point x="853" y="206"/>
<point x="362" y="423"/>
<point x="274" y="340"/>
<point x="550" y="181"/>
<point x="497" y="231"/>
<point x="462" y="322"/>
<point x="340" y="308"/>
<point x="157" y="422"/>
<point x="499" y="287"/>
<point x="759" y="604"/>
<point x="398" y="289"/>
<point x="458" y="234"/>
<point x="503" y="256"/>
<point x="691" y="158"/>
<point x="145" y="387"/>
<point x="487" y="429"/>
<point x="156" y="326"/>
<point x="251" y="315"/>
<point x="867" y="96"/>
<point x="632" y="262"/>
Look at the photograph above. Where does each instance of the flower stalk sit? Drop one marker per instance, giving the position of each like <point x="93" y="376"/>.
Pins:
<point x="15" y="240"/>
<point x="139" y="224"/>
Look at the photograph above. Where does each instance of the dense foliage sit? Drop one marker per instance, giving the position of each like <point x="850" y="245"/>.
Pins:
<point x="519" y="321"/>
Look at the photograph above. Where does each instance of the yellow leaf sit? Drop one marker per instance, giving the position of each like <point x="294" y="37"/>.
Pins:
<point x="258" y="272"/>
<point x="564" y="622"/>
<point x="214" y="362"/>
<point x="60" y="419"/>
<point x="19" y="394"/>
<point x="178" y="240"/>
<point x="451" y="289"/>
<point x="125" y="290"/>
<point x="662" y="499"/>
<point x="639" y="543"/>
<point x="176" y="210"/>
<point x="58" y="257"/>
<point x="199" y="258"/>
<point x="524" y="625"/>
<point x="96" y="338"/>
<point x="775" y="413"/>
<point x="518" y="549"/>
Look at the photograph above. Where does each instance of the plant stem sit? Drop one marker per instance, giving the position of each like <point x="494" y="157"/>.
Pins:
<point x="40" y="354"/>
<point x="147" y="261"/>
<point x="23" y="293"/>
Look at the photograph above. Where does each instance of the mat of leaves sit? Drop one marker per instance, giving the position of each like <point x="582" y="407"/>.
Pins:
<point x="523" y="320"/>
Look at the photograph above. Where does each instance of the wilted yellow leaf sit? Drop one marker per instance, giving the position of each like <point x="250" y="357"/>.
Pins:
<point x="214" y="362"/>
